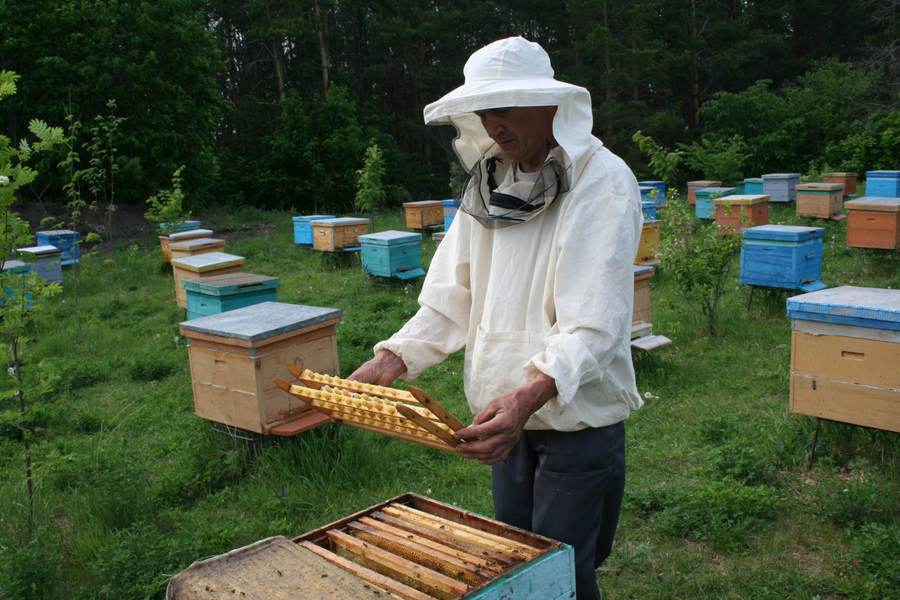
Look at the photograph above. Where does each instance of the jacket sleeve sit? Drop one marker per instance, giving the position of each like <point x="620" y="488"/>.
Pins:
<point x="440" y="327"/>
<point x="592" y="287"/>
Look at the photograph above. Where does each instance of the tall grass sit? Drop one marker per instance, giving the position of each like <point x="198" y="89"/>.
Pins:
<point x="719" y="502"/>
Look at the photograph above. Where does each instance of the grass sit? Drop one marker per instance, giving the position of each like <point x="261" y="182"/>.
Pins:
<point x="133" y="487"/>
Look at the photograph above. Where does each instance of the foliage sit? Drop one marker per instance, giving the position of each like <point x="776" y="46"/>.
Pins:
<point x="664" y="163"/>
<point x="370" y="194"/>
<point x="718" y="160"/>
<point x="167" y="206"/>
<point x="100" y="175"/>
<point x="24" y="294"/>
<point x="698" y="257"/>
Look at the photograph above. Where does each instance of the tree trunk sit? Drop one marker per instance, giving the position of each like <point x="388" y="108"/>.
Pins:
<point x="322" y="31"/>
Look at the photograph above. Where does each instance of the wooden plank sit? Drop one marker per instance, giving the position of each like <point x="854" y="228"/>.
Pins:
<point x="845" y="402"/>
<point x="305" y="423"/>
<point x="397" y="564"/>
<point x="479" y="564"/>
<point x="394" y="587"/>
<point x="648" y="343"/>
<point x="496" y="543"/>
<point x="426" y="424"/>
<point x="432" y="405"/>
<point x="441" y="562"/>
<point x="866" y="362"/>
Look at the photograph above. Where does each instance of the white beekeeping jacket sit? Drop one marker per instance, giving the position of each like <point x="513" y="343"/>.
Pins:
<point x="551" y="295"/>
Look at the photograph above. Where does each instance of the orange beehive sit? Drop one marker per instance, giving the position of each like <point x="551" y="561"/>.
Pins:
<point x="847" y="179"/>
<point x="873" y="222"/>
<point x="648" y="248"/>
<point x="731" y="209"/>
<point x="424" y="214"/>
<point x="693" y="185"/>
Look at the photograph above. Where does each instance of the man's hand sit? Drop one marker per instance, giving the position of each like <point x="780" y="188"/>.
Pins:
<point x="382" y="370"/>
<point x="497" y="428"/>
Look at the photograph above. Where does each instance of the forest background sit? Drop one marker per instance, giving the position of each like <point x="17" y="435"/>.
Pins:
<point x="272" y="104"/>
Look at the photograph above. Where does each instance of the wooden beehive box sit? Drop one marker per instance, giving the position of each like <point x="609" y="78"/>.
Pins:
<point x="424" y="214"/>
<point x="873" y="223"/>
<point x="64" y="239"/>
<point x="703" y="206"/>
<point x="781" y="187"/>
<point x="751" y="207"/>
<point x="236" y="356"/>
<point x="753" y="185"/>
<point x="337" y="235"/>
<point x="847" y="179"/>
<point x="693" y="186"/>
<point x="640" y="317"/>
<point x="438" y="236"/>
<point x="202" y="265"/>
<point x="213" y="295"/>
<point x="48" y="262"/>
<point x="883" y="184"/>
<point x="303" y="228"/>
<point x="410" y="547"/>
<point x="782" y="257"/>
<point x="196" y="246"/>
<point x="845" y="353"/>
<point x="821" y="200"/>
<point x="392" y="254"/>
<point x="648" y="247"/>
<point x="167" y="239"/>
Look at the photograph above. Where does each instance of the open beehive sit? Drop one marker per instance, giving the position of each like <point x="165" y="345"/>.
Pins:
<point x="411" y="416"/>
<point x="409" y="548"/>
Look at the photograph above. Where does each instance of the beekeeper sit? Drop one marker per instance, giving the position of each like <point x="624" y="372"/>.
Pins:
<point x="535" y="280"/>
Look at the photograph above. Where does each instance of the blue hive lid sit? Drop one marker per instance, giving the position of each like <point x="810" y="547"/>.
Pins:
<point x="786" y="233"/>
<point x="781" y="176"/>
<point x="639" y="270"/>
<point x="711" y="191"/>
<point x="453" y="203"/>
<point x="883" y="174"/>
<point x="308" y="218"/>
<point x="390" y="238"/>
<point x="868" y="307"/>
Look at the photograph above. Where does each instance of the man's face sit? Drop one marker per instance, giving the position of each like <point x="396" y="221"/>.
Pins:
<point x="521" y="132"/>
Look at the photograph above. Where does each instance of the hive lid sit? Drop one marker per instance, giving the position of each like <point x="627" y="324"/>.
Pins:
<point x="820" y="187"/>
<point x="652" y="183"/>
<point x="423" y="203"/>
<point x="703" y="183"/>
<point x="742" y="199"/>
<point x="208" y="262"/>
<point x="341" y="221"/>
<point x="16" y="266"/>
<point x="753" y="180"/>
<point x="260" y="321"/>
<point x="652" y="223"/>
<point x="308" y="218"/>
<point x="839" y="174"/>
<point x="787" y="233"/>
<point x="57" y="232"/>
<point x="390" y="238"/>
<point x="874" y="203"/>
<point x="883" y="174"/>
<point x="642" y="272"/>
<point x="189" y="234"/>
<point x="867" y="307"/>
<point x="171" y="227"/>
<point x="781" y="176"/>
<point x="233" y="283"/>
<point x="450" y="202"/>
<point x="41" y="250"/>
<point x="713" y="190"/>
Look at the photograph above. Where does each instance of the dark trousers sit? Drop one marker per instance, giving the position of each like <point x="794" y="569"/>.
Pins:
<point x="566" y="486"/>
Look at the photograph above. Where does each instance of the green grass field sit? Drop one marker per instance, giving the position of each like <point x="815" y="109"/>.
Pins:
<point x="132" y="487"/>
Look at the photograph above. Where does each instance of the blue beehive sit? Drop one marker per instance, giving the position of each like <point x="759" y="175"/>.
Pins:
<point x="64" y="239"/>
<point x="648" y="207"/>
<point x="753" y="185"/>
<point x="303" y="233"/>
<point x="780" y="187"/>
<point x="659" y="186"/>
<point x="704" y="207"/>
<point x="221" y="293"/>
<point x="19" y="270"/>
<point x="883" y="184"/>
<point x="185" y="226"/>
<point x="392" y="254"/>
<point x="782" y="256"/>
<point x="46" y="263"/>
<point x="450" y="208"/>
